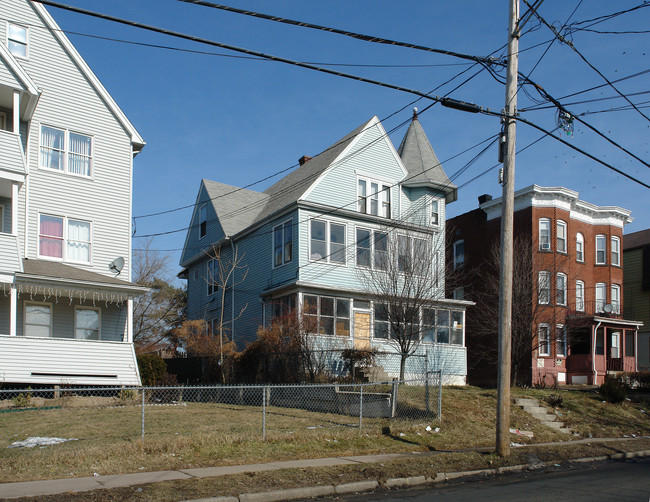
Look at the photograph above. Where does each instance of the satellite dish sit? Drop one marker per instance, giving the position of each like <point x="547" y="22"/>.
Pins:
<point x="116" y="265"/>
<point x="609" y="308"/>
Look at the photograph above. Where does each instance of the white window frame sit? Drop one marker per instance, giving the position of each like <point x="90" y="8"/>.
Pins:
<point x="457" y="262"/>
<point x="382" y="196"/>
<point x="211" y="276"/>
<point x="435" y="212"/>
<point x="561" y="236"/>
<point x="600" y="302"/>
<point x="2" y="218"/>
<point x="561" y="292"/>
<point x="580" y="247"/>
<point x="77" y="308"/>
<point x="65" y="240"/>
<point x="328" y="242"/>
<point x="545" y="244"/>
<point x="615" y="299"/>
<point x="51" y="326"/>
<point x="66" y="152"/>
<point x="544" y="343"/>
<point x="20" y="42"/>
<point x="372" y="249"/>
<point x="580" y="296"/>
<point x="560" y="341"/>
<point x="600" y="238"/>
<point x="544" y="287"/>
<point x="615" y="250"/>
<point x="283" y="251"/>
<point x="203" y="221"/>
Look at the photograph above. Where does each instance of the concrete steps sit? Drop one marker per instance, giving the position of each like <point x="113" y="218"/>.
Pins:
<point x="532" y="407"/>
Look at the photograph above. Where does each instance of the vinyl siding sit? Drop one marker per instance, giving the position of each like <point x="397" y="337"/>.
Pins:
<point x="11" y="153"/>
<point x="5" y="304"/>
<point x="9" y="254"/>
<point x="5" y="224"/>
<point x="214" y="232"/>
<point x="7" y="76"/>
<point x="70" y="102"/>
<point x="635" y="300"/>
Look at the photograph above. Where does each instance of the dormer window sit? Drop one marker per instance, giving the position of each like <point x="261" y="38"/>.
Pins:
<point x="17" y="40"/>
<point x="373" y="197"/>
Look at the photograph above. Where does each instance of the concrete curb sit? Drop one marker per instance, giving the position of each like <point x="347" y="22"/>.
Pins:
<point x="396" y="483"/>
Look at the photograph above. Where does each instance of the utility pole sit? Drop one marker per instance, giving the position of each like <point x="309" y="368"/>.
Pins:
<point x="507" y="216"/>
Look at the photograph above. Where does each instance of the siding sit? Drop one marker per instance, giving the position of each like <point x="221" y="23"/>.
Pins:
<point x="5" y="304"/>
<point x="9" y="254"/>
<point x="70" y="102"/>
<point x="214" y="232"/>
<point x="11" y="153"/>
<point x="93" y="362"/>
<point x="5" y="224"/>
<point x="7" y="76"/>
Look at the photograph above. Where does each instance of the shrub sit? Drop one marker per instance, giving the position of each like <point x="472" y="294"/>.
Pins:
<point x="640" y="380"/>
<point x="554" y="400"/>
<point x="355" y="359"/>
<point x="152" y="368"/>
<point x="613" y="390"/>
<point x="22" y="400"/>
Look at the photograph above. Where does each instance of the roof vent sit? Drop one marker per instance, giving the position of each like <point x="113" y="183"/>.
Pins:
<point x="305" y="158"/>
<point x="482" y="199"/>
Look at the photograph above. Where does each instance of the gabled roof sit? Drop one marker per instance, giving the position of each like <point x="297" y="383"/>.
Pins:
<point x="236" y="208"/>
<point x="422" y="163"/>
<point x="136" y="140"/>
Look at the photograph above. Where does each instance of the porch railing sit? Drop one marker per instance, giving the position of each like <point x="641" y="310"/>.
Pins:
<point x="615" y="364"/>
<point x="599" y="308"/>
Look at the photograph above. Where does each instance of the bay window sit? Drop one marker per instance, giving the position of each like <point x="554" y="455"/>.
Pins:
<point x="561" y="341"/>
<point x="601" y="253"/>
<point x="616" y="299"/>
<point x="561" y="236"/>
<point x="544" y="234"/>
<point x="64" y="239"/>
<point x="616" y="251"/>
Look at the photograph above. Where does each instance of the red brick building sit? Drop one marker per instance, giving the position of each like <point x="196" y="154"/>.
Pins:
<point x="568" y="318"/>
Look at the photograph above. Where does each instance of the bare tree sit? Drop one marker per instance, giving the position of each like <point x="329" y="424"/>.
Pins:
<point x="405" y="275"/>
<point x="226" y="272"/>
<point x="160" y="310"/>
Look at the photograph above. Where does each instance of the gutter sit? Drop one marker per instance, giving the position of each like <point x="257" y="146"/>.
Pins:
<point x="67" y="282"/>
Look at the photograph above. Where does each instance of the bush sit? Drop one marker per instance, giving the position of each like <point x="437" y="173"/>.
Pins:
<point x="640" y="380"/>
<point x="152" y="368"/>
<point x="355" y="359"/>
<point x="613" y="390"/>
<point x="22" y="400"/>
<point x="554" y="400"/>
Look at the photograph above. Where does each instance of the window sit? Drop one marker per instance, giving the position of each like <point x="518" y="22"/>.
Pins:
<point x="38" y="319"/>
<point x="283" y="243"/>
<point x="86" y="322"/>
<point x="380" y="242"/>
<point x="17" y="40"/>
<point x="364" y="248"/>
<point x="2" y="218"/>
<point x="580" y="247"/>
<point x="545" y="234"/>
<point x="544" y="340"/>
<point x="629" y="343"/>
<point x="203" y="221"/>
<point x="428" y="325"/>
<point x="64" y="238"/>
<point x="616" y="345"/>
<point x="459" y="293"/>
<point x="283" y="306"/>
<point x="326" y="315"/>
<point x="543" y="287"/>
<point x="381" y="324"/>
<point x="561" y="236"/>
<point x="580" y="296"/>
<point x="411" y="253"/>
<point x="327" y="241"/>
<point x="561" y="289"/>
<point x="435" y="215"/>
<point x="212" y="277"/>
<point x="600" y="342"/>
<point x="372" y="249"/>
<point x="459" y="254"/>
<point x="456" y="328"/>
<point x="600" y="296"/>
<point x="561" y="341"/>
<point x="616" y="299"/>
<point x="373" y="197"/>
<point x="601" y="252"/>
<point x="66" y="151"/>
<point x="616" y="251"/>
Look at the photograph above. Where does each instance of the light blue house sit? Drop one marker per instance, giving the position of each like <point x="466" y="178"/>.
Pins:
<point x="312" y="239"/>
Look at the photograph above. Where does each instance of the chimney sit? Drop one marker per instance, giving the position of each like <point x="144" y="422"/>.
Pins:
<point x="305" y="158"/>
<point x="482" y="199"/>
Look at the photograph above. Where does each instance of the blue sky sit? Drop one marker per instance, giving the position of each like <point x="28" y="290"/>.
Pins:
<point x="238" y="120"/>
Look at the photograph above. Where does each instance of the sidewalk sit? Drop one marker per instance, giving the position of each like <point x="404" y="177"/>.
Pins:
<point x="59" y="486"/>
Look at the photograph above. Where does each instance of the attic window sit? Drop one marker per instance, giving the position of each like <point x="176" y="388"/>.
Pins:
<point x="203" y="221"/>
<point x="17" y="40"/>
<point x="373" y="197"/>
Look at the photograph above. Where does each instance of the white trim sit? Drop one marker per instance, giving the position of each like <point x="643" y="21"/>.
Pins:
<point x="48" y="304"/>
<point x="66" y="152"/>
<point x="617" y="240"/>
<point x="2" y="218"/>
<point x="56" y="31"/>
<point x="547" y="288"/>
<point x="328" y="238"/>
<point x="23" y="77"/>
<point x="561" y="224"/>
<point x="565" y="341"/>
<point x="542" y="246"/>
<point x="564" y="290"/>
<point x="580" y="238"/>
<point x="548" y="340"/>
<point x="282" y="228"/>
<point x="99" y="321"/>
<point x="604" y="239"/>
<point x="582" y="297"/>
<point x="65" y="240"/>
<point x="615" y="302"/>
<point x="26" y="28"/>
<point x="602" y="286"/>
<point x="13" y="310"/>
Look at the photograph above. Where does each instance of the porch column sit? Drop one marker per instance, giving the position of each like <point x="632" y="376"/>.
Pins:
<point x="129" y="321"/>
<point x="13" y="310"/>
<point x="16" y="110"/>
<point x="14" y="209"/>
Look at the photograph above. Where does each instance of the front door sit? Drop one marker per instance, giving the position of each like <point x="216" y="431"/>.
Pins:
<point x="362" y="330"/>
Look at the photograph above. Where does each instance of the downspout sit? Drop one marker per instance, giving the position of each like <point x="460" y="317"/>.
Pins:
<point x="232" y="298"/>
<point x="636" y="350"/>
<point x="593" y="354"/>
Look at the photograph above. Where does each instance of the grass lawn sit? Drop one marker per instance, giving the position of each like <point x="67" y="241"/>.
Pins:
<point x="209" y="434"/>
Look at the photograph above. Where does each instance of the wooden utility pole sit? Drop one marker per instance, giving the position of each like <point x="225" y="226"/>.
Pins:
<point x="507" y="212"/>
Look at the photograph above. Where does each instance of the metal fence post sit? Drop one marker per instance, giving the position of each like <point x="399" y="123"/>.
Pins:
<point x="142" y="392"/>
<point x="360" y="406"/>
<point x="440" y="395"/>
<point x="264" y="413"/>
<point x="426" y="381"/>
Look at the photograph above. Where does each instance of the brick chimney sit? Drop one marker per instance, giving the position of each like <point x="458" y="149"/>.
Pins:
<point x="304" y="159"/>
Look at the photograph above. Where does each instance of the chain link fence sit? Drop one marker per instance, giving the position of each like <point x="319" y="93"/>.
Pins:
<point x="79" y="417"/>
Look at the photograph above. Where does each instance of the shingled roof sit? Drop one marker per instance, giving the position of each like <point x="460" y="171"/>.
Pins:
<point x="236" y="208"/>
<point x="422" y="163"/>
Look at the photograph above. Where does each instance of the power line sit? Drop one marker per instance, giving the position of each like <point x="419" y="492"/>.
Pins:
<point x="607" y="17"/>
<point x="584" y="101"/>
<point x="358" y="36"/>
